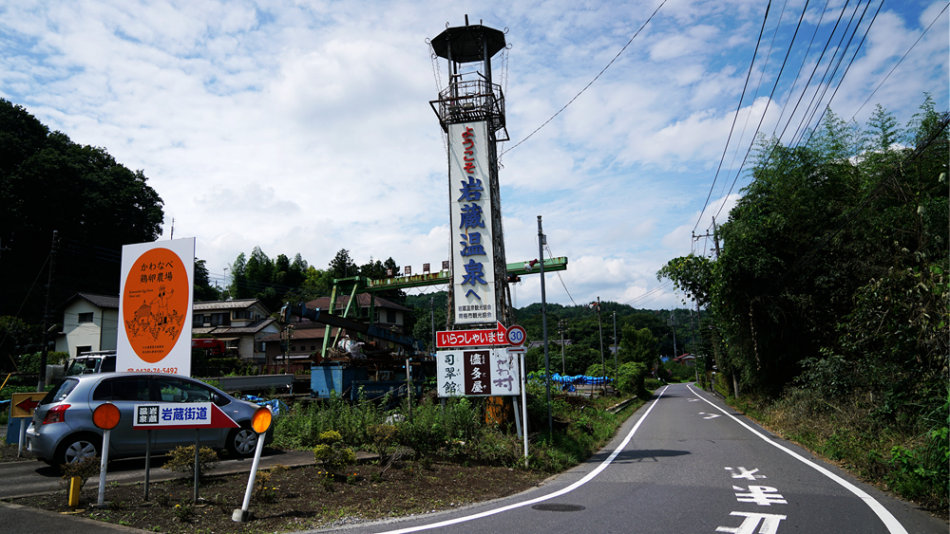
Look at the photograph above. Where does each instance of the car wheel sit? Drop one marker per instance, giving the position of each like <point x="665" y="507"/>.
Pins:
<point x="242" y="442"/>
<point x="75" y="449"/>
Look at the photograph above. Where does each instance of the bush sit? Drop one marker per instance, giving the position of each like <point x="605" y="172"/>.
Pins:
<point x="332" y="452"/>
<point x="182" y="459"/>
<point x="630" y="378"/>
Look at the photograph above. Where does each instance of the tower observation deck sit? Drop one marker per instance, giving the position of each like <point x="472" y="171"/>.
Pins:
<point x="471" y="95"/>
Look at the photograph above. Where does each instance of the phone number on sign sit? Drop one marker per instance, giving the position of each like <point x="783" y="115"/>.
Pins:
<point x="166" y="370"/>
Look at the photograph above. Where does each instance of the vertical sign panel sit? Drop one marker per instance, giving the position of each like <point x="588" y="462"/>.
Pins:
<point x="477" y="372"/>
<point x="155" y="307"/>
<point x="473" y="273"/>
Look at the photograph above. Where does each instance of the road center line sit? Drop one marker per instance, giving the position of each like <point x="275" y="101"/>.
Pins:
<point x="892" y="524"/>
<point x="587" y="478"/>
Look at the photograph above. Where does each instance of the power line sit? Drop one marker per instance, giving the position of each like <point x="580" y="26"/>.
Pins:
<point x="778" y="77"/>
<point x="735" y="117"/>
<point x="599" y="74"/>
<point x="942" y="11"/>
<point x="848" y="68"/>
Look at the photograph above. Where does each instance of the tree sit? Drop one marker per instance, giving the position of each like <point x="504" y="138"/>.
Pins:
<point x="95" y="204"/>
<point x="342" y="266"/>
<point x="203" y="290"/>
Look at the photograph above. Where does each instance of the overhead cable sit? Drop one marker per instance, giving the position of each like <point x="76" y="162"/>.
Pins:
<point x="599" y="74"/>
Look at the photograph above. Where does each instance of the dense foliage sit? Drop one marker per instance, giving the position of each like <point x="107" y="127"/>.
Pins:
<point x="96" y="205"/>
<point x="832" y="277"/>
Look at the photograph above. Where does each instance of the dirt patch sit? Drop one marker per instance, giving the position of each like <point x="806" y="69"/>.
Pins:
<point x="297" y="498"/>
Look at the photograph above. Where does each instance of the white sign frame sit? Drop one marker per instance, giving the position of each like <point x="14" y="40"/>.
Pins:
<point x="473" y="257"/>
<point x="477" y="373"/>
<point x="177" y="360"/>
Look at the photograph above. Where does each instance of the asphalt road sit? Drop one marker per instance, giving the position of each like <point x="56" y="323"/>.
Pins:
<point x="685" y="462"/>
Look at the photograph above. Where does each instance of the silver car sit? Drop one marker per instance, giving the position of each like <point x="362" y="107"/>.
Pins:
<point x="62" y="430"/>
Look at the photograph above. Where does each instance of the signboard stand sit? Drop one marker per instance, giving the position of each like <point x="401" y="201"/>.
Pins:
<point x="148" y="458"/>
<point x="197" y="465"/>
<point x="260" y="422"/>
<point x="22" y="406"/>
<point x="106" y="417"/>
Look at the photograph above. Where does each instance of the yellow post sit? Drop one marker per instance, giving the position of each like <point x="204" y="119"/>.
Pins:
<point x="74" y="484"/>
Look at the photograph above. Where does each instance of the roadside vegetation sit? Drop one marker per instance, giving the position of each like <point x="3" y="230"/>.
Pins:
<point x="826" y="311"/>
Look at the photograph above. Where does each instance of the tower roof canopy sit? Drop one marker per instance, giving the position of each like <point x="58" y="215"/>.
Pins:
<point x="467" y="43"/>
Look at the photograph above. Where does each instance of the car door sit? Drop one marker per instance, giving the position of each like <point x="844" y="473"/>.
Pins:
<point x="125" y="392"/>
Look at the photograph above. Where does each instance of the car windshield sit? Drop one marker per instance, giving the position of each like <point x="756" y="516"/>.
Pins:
<point x="60" y="391"/>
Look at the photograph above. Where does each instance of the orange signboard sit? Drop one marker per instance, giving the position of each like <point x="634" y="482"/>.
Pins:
<point x="155" y="303"/>
<point x="155" y="307"/>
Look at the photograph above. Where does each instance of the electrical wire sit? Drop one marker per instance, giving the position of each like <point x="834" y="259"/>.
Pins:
<point x="734" y="118"/>
<point x="848" y="68"/>
<point x="822" y="87"/>
<point x="934" y="21"/>
<point x="765" y="111"/>
<point x="559" y="277"/>
<point x="599" y="74"/>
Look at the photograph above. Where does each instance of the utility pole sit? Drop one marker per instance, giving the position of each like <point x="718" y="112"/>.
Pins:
<point x="673" y="327"/>
<point x="560" y="329"/>
<point x="616" y="349"/>
<point x="600" y="333"/>
<point x="544" y="330"/>
<point x="41" y="384"/>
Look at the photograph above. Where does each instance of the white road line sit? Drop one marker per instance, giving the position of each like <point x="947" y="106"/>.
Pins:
<point x="892" y="524"/>
<point x="587" y="478"/>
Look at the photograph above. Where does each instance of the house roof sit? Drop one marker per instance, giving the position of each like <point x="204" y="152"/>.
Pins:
<point x="236" y="304"/>
<point x="218" y="331"/>
<point x="363" y="299"/>
<point x="103" y="301"/>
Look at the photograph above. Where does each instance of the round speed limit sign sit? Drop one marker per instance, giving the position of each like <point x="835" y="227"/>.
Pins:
<point x="516" y="335"/>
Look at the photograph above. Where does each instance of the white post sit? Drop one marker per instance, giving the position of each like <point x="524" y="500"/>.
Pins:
<point x="23" y="424"/>
<point x="239" y="516"/>
<point x="102" y="467"/>
<point x="524" y="407"/>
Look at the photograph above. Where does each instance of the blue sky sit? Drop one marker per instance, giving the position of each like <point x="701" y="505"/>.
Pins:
<point x="305" y="126"/>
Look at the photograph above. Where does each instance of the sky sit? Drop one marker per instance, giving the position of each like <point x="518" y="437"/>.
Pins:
<point x="305" y="126"/>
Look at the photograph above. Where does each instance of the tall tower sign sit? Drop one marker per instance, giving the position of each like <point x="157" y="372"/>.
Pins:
<point x="472" y="113"/>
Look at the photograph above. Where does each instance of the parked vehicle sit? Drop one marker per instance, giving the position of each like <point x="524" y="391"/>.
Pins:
<point x="62" y="430"/>
<point x="99" y="361"/>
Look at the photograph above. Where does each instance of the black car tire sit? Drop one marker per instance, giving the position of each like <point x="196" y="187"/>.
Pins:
<point x="242" y="442"/>
<point x="78" y="447"/>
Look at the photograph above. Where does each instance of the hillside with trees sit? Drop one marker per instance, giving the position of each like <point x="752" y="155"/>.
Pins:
<point x="94" y="204"/>
<point x="828" y="305"/>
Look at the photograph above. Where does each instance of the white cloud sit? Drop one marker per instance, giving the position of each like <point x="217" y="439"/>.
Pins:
<point x="306" y="127"/>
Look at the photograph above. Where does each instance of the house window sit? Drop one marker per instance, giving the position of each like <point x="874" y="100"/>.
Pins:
<point x="220" y="319"/>
<point x="83" y="348"/>
<point x="391" y="316"/>
<point x="241" y="314"/>
<point x="197" y="320"/>
<point x="85" y="317"/>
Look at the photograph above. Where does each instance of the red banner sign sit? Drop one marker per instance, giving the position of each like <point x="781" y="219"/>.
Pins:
<point x="472" y="338"/>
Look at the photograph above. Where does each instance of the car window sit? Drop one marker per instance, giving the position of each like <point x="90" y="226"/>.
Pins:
<point x="60" y="391"/>
<point x="108" y="364"/>
<point x="126" y="388"/>
<point x="177" y="390"/>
